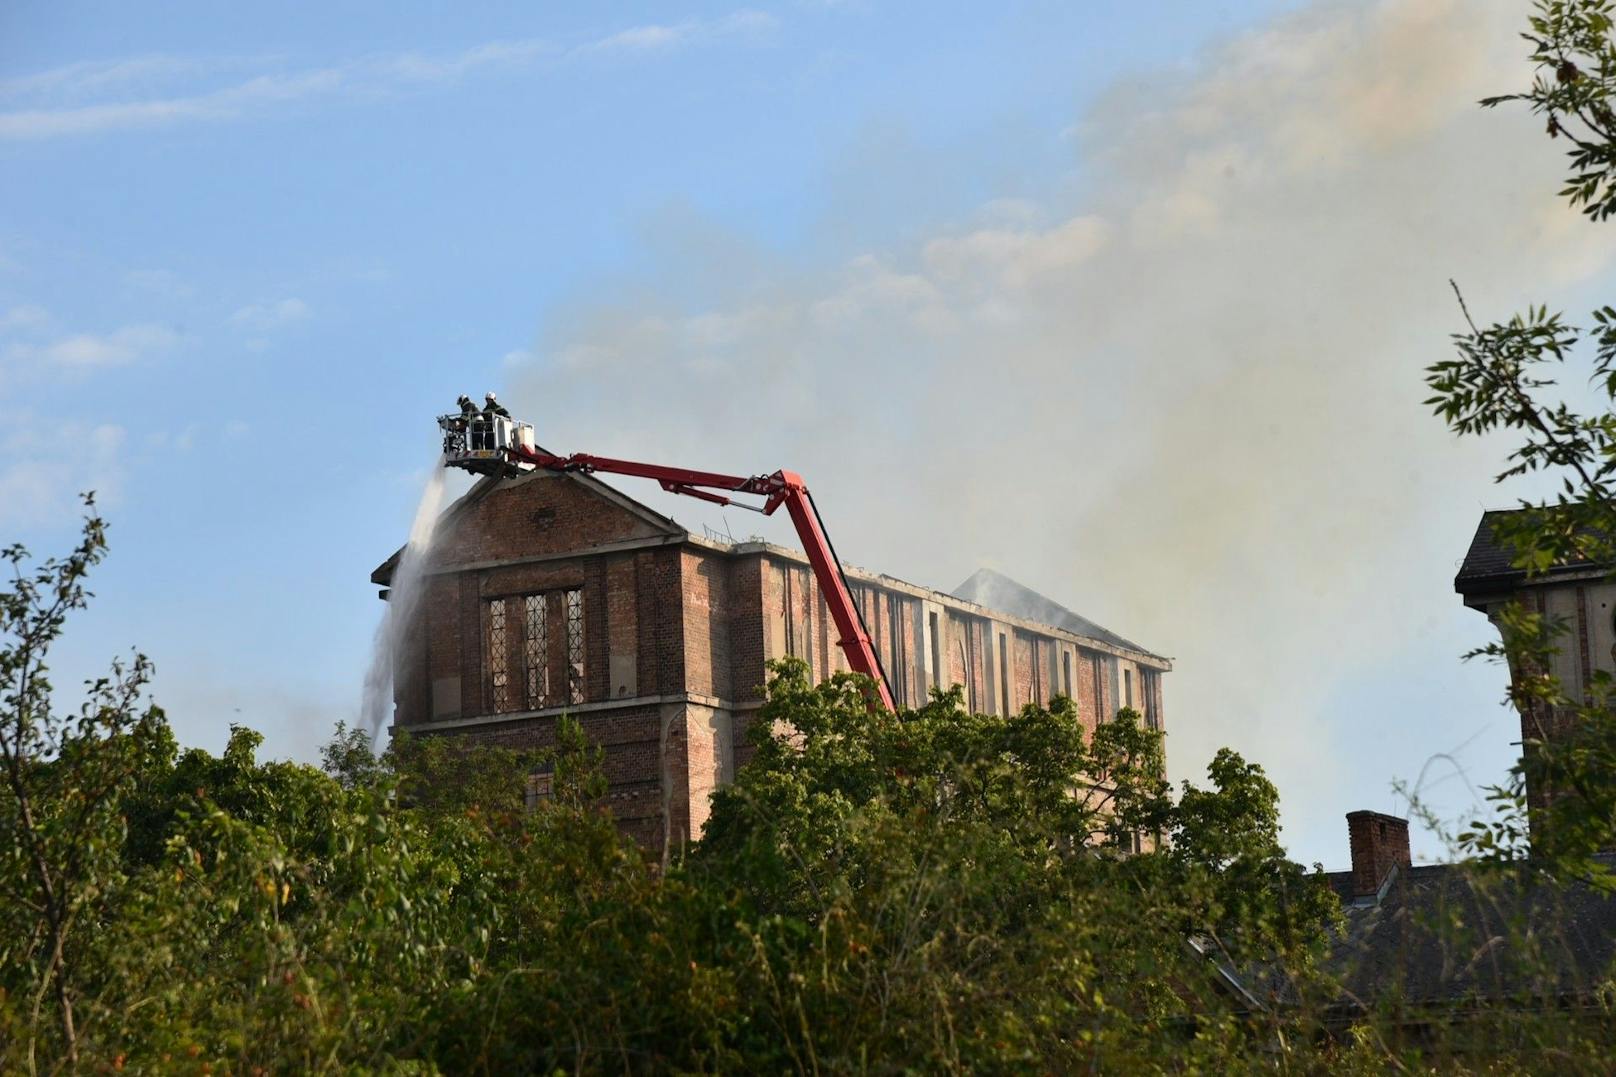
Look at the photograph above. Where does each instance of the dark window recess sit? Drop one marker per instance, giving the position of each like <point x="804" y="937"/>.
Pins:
<point x="1099" y="688"/>
<point x="808" y="593"/>
<point x="1004" y="676"/>
<point x="937" y="677"/>
<point x="540" y="787"/>
<point x="965" y="662"/>
<point x="1127" y="687"/>
<point x="897" y="670"/>
<point x="1066" y="674"/>
<point x="1035" y="674"/>
<point x="969" y="649"/>
<point x="790" y="614"/>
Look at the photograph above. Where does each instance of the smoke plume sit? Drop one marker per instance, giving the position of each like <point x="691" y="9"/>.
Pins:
<point x="1182" y="399"/>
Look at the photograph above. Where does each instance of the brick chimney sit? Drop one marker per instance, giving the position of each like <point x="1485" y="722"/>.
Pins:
<point x="1379" y="843"/>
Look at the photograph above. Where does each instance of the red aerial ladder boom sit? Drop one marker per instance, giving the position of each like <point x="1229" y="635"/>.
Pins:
<point x="504" y="444"/>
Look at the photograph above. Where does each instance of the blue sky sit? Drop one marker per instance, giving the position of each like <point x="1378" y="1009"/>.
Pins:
<point x="980" y="271"/>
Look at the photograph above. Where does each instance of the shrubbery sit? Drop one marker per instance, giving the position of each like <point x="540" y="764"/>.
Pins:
<point x="935" y="889"/>
<point x="932" y="890"/>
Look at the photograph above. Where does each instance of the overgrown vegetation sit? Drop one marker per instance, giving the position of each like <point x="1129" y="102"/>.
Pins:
<point x="934" y="890"/>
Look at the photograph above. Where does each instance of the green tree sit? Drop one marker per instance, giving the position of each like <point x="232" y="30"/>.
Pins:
<point x="61" y="827"/>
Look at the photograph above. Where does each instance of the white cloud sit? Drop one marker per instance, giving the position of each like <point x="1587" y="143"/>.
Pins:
<point x="117" y="348"/>
<point x="263" y="317"/>
<point x="25" y="316"/>
<point x="654" y="37"/>
<point x="84" y="350"/>
<point x="46" y="463"/>
<point x="56" y="111"/>
<point x="639" y="38"/>
<point x="87" y="77"/>
<point x="1187" y="404"/>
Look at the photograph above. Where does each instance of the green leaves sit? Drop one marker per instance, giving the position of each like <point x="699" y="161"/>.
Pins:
<point x="1575" y="57"/>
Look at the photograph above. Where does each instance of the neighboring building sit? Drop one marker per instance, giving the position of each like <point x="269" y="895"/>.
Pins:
<point x="1580" y="593"/>
<point x="1443" y="942"/>
<point x="555" y="594"/>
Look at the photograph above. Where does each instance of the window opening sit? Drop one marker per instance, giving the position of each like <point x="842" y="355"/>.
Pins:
<point x="969" y="648"/>
<point x="1127" y="687"/>
<point x="498" y="656"/>
<point x="1004" y="676"/>
<point x="575" y="646"/>
<point x="540" y="787"/>
<point x="936" y="653"/>
<point x="808" y="593"/>
<point x="1099" y="689"/>
<point x="1066" y="674"/>
<point x="1035" y="674"/>
<point x="965" y="664"/>
<point x="536" y="650"/>
<point x="900" y="682"/>
<point x="791" y="614"/>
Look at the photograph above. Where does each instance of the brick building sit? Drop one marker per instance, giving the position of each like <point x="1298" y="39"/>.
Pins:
<point x="548" y="594"/>
<point x="1578" y="593"/>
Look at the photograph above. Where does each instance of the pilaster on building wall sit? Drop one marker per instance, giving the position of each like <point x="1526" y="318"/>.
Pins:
<point x="556" y="594"/>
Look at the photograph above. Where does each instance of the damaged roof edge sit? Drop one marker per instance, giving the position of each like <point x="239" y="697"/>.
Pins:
<point x="995" y="590"/>
<point x="1079" y="628"/>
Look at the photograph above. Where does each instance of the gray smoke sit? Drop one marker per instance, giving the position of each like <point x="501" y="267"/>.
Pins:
<point x="403" y="599"/>
<point x="1183" y="401"/>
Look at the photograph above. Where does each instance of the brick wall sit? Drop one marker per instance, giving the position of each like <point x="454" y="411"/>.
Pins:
<point x="676" y="636"/>
<point x="536" y="514"/>
<point x="1022" y="690"/>
<point x="746" y="628"/>
<point x="659" y="620"/>
<point x="632" y="740"/>
<point x="1083" y="686"/>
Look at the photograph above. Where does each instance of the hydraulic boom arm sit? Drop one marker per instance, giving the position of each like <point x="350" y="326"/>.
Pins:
<point x="781" y="488"/>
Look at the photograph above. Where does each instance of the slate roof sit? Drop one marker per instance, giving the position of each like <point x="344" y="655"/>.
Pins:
<point x="997" y="591"/>
<point x="1447" y="933"/>
<point x="1486" y="565"/>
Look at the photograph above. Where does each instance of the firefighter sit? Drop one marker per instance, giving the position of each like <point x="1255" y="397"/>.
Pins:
<point x="474" y="421"/>
<point x="494" y="407"/>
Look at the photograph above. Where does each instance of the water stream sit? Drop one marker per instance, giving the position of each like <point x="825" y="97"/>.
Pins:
<point x="404" y="597"/>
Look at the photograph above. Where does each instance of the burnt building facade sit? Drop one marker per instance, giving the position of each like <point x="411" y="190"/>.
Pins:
<point x="552" y="594"/>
